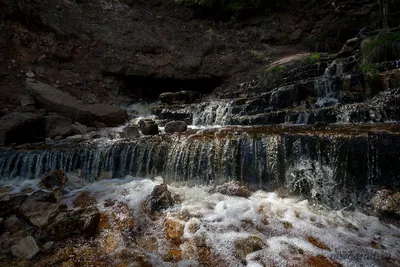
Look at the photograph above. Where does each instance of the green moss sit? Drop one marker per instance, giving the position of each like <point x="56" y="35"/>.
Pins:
<point x="311" y="59"/>
<point x="370" y="70"/>
<point x="273" y="76"/>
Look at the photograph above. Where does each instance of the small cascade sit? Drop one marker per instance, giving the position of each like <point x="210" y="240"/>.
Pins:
<point x="212" y="113"/>
<point x="259" y="157"/>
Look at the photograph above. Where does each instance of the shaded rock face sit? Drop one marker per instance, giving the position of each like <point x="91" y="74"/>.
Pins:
<point x="131" y="132"/>
<point x="79" y="222"/>
<point x="182" y="97"/>
<point x="21" y="128"/>
<point x="148" y="127"/>
<point x="55" y="100"/>
<point x="11" y="203"/>
<point x="25" y="249"/>
<point x="175" y="127"/>
<point x="160" y="198"/>
<point x="58" y="126"/>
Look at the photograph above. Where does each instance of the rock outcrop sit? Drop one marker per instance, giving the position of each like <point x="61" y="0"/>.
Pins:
<point x="26" y="249"/>
<point x="182" y="97"/>
<point x="64" y="104"/>
<point x="21" y="128"/>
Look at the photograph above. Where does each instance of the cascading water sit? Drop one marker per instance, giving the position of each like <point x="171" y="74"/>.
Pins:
<point x="212" y="113"/>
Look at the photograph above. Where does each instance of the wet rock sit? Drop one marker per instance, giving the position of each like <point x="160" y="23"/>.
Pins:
<point x="160" y="198"/>
<point x="247" y="246"/>
<point x="321" y="261"/>
<point x="188" y="263"/>
<point x="182" y="97"/>
<point x="148" y="127"/>
<point x="10" y="203"/>
<point x="53" y="179"/>
<point x="317" y="243"/>
<point x="21" y="128"/>
<point x="131" y="132"/>
<point x="84" y="200"/>
<point x="38" y="208"/>
<point x="60" y="102"/>
<point x="58" y="126"/>
<point x="78" y="128"/>
<point x="175" y="127"/>
<point x="26" y="109"/>
<point x="386" y="202"/>
<point x="173" y="113"/>
<point x="25" y="249"/>
<point x="1" y="225"/>
<point x="13" y="224"/>
<point x="234" y="189"/>
<point x="78" y="222"/>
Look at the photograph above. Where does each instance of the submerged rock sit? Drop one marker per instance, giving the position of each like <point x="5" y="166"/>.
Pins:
<point x="63" y="103"/>
<point x="175" y="127"/>
<point x="131" y="132"/>
<point x="234" y="189"/>
<point x="248" y="245"/>
<point x="21" y="128"/>
<point x="148" y="127"/>
<point x="25" y="249"/>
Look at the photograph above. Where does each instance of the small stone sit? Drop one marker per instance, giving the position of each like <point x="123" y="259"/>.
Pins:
<point x="48" y="246"/>
<point x="148" y="127"/>
<point x="234" y="189"/>
<point x="175" y="127"/>
<point x="25" y="249"/>
<point x="30" y="74"/>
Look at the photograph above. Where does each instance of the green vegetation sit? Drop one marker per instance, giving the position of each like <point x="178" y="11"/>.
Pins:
<point x="259" y="56"/>
<point x="383" y="47"/>
<point x="311" y="59"/>
<point x="273" y="76"/>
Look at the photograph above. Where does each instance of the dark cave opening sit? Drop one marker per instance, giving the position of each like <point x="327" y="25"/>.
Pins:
<point x="149" y="88"/>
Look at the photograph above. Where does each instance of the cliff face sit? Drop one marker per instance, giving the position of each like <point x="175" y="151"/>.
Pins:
<point x="101" y="50"/>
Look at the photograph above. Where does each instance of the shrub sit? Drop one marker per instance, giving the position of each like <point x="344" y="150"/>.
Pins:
<point x="383" y="47"/>
<point x="273" y="76"/>
<point x="311" y="59"/>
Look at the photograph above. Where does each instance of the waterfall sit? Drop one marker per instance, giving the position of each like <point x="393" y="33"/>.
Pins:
<point x="252" y="156"/>
<point x="212" y="113"/>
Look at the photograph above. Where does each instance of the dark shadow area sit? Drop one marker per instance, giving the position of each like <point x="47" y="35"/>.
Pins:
<point x="149" y="88"/>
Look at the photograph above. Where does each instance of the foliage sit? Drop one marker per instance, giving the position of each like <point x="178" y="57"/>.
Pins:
<point x="370" y="70"/>
<point x="272" y="76"/>
<point x="383" y="47"/>
<point x="259" y="56"/>
<point x="311" y="59"/>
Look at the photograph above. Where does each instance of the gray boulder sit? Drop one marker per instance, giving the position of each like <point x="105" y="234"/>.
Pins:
<point x="78" y="128"/>
<point x="175" y="127"/>
<point x="21" y="128"/>
<point x="58" y="126"/>
<point x="63" y="103"/>
<point x="25" y="249"/>
<point x="148" y="127"/>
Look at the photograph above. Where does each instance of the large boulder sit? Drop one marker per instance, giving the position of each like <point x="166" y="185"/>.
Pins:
<point x="38" y="208"/>
<point x="63" y="103"/>
<point x="148" y="127"/>
<point x="58" y="126"/>
<point x="175" y="127"/>
<point x="21" y="128"/>
<point x="182" y="97"/>
<point x="26" y="249"/>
